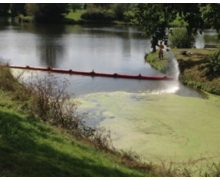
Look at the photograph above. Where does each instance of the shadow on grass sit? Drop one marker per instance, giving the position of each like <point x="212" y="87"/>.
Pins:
<point x="26" y="149"/>
<point x="190" y="63"/>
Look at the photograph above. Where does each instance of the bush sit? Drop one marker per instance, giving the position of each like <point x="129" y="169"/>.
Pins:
<point x="215" y="57"/>
<point x="213" y="69"/>
<point x="179" y="38"/>
<point x="7" y="81"/>
<point x="119" y="10"/>
<point x="98" y="14"/>
<point x="128" y="16"/>
<point x="50" y="102"/>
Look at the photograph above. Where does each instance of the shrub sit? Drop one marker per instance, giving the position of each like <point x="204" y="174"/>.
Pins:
<point x="75" y="6"/>
<point x="128" y="16"/>
<point x="51" y="103"/>
<point x="7" y="80"/>
<point x="215" y="57"/>
<point x="98" y="14"/>
<point x="179" y="38"/>
<point x="119" y="10"/>
<point x="213" y="68"/>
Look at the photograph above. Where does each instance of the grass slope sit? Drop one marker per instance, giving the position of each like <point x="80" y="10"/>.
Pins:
<point x="75" y="15"/>
<point x="34" y="149"/>
<point x="194" y="69"/>
<point x="155" y="62"/>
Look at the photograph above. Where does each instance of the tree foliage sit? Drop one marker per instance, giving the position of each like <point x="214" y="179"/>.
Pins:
<point x="51" y="12"/>
<point x="47" y="12"/>
<point x="119" y="10"/>
<point x="155" y="19"/>
<point x="4" y="7"/>
<point x="17" y="9"/>
<point x="179" y="38"/>
<point x="211" y="14"/>
<point x="76" y="6"/>
<point x="107" y="12"/>
<point x="98" y="14"/>
<point x="31" y="8"/>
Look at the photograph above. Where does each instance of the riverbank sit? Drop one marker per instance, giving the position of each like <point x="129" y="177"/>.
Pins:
<point x="194" y="68"/>
<point x="30" y="148"/>
<point x="31" y="145"/>
<point x="75" y="18"/>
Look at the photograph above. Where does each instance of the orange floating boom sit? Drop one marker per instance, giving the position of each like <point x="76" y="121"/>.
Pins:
<point x="92" y="73"/>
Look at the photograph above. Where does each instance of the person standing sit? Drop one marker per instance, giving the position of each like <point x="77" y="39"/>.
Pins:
<point x="160" y="50"/>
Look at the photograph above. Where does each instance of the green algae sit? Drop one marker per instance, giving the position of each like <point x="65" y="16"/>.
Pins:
<point x="163" y="127"/>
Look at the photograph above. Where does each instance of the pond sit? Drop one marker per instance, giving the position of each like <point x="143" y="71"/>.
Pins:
<point x="157" y="119"/>
<point x="102" y="48"/>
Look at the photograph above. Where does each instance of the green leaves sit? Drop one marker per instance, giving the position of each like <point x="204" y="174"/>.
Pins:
<point x="179" y="38"/>
<point x="156" y="18"/>
<point x="211" y="14"/>
<point x="50" y="12"/>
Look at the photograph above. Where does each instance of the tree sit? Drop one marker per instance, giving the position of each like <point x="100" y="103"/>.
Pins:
<point x="179" y="38"/>
<point x="119" y="9"/>
<point x="155" y="19"/>
<point x="75" y="6"/>
<point x="31" y="8"/>
<point x="47" y="12"/>
<point x="4" y="7"/>
<point x="211" y="14"/>
<point x="17" y="8"/>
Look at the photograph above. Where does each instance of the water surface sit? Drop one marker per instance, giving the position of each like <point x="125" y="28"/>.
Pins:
<point x="102" y="48"/>
<point x="149" y="117"/>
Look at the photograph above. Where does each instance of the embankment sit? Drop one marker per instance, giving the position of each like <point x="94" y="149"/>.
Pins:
<point x="33" y="146"/>
<point x="194" y="68"/>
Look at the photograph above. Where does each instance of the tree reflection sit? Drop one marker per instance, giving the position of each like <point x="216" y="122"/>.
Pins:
<point x="49" y="43"/>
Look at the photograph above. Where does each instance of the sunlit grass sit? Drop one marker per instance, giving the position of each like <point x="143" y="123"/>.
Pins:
<point x="75" y="15"/>
<point x="30" y="148"/>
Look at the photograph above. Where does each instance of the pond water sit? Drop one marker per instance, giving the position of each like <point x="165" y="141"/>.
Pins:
<point x="110" y="49"/>
<point x="157" y="119"/>
<point x="160" y="128"/>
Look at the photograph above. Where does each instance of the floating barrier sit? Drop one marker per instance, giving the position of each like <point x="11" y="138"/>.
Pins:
<point x="92" y="73"/>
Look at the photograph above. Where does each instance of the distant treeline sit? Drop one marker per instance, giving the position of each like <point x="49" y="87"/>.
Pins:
<point x="109" y="12"/>
<point x="55" y="12"/>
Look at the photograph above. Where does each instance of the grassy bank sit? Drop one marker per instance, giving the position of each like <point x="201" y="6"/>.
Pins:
<point x="155" y="62"/>
<point x="36" y="145"/>
<point x="75" y="18"/>
<point x="194" y="68"/>
<point x="75" y="15"/>
<point x="32" y="148"/>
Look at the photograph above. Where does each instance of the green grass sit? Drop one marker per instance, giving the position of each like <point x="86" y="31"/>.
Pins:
<point x="155" y="62"/>
<point x="193" y="68"/>
<point x="31" y="148"/>
<point x="75" y="15"/>
<point x="198" y="54"/>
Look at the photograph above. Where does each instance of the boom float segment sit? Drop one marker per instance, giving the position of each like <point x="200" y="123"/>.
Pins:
<point x="92" y="73"/>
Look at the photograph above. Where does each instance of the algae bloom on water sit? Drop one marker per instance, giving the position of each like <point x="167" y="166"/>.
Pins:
<point x="159" y="127"/>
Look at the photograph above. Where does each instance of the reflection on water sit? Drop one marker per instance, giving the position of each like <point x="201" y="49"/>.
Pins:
<point x="102" y="48"/>
<point x="207" y="37"/>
